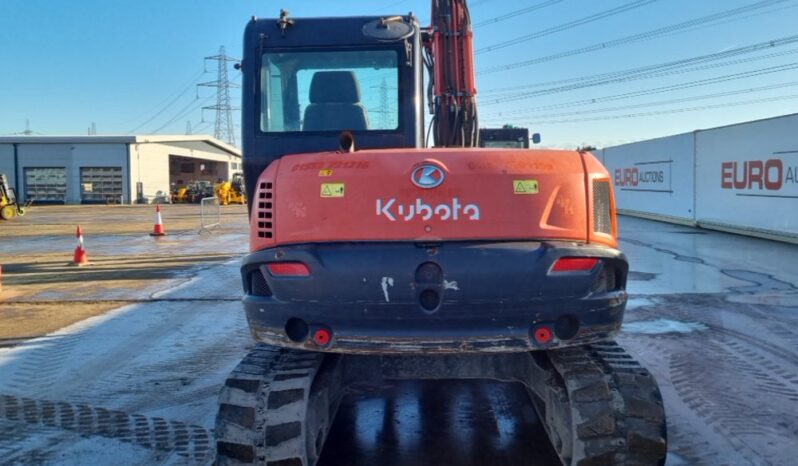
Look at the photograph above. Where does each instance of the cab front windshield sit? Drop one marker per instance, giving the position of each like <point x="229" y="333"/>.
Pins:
<point x="329" y="91"/>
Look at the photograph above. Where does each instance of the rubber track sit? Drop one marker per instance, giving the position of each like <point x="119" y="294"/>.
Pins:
<point x="189" y="441"/>
<point x="269" y="380"/>
<point x="617" y="414"/>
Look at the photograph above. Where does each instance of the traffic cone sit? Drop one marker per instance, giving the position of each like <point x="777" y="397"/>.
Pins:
<point x="157" y="229"/>
<point x="80" y="257"/>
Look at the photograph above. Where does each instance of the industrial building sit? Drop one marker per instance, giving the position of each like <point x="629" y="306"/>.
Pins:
<point x="112" y="169"/>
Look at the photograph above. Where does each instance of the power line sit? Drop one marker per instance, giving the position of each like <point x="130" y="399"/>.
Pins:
<point x="516" y="13"/>
<point x="666" y="112"/>
<point x="659" y="90"/>
<point x="667" y="101"/>
<point x="192" y="106"/>
<point x="565" y="26"/>
<point x="201" y="126"/>
<point x="383" y="108"/>
<point x="643" y="72"/>
<point x="637" y="37"/>
<point x="528" y="95"/>
<point x="171" y="101"/>
<point x="522" y="96"/>
<point x="384" y="8"/>
<point x="525" y="96"/>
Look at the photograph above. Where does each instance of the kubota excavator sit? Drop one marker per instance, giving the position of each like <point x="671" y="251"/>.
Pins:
<point x="374" y="257"/>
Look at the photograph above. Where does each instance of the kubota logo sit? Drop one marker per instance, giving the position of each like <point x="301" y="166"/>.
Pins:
<point x="454" y="211"/>
<point x="427" y="176"/>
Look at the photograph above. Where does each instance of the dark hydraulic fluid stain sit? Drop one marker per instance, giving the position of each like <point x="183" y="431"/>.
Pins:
<point x="759" y="282"/>
<point x="641" y="276"/>
<point x="419" y="423"/>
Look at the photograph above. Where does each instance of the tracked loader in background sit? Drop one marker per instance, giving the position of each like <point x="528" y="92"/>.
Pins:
<point x="375" y="258"/>
<point x="231" y="191"/>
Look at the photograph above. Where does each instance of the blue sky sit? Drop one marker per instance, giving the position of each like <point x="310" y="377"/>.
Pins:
<point x="118" y="63"/>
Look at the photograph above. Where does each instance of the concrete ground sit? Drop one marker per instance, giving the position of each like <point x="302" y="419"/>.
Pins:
<point x="126" y="263"/>
<point x="713" y="315"/>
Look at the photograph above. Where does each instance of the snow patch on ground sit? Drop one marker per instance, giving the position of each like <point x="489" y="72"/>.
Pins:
<point x="658" y="327"/>
<point x="636" y="302"/>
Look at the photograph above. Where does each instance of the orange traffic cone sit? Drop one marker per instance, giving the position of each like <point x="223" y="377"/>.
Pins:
<point x="80" y="257"/>
<point x="157" y="229"/>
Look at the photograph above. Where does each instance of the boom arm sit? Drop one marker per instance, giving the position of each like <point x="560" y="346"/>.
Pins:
<point x="448" y="55"/>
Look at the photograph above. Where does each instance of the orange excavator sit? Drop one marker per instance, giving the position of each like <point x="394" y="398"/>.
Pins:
<point x="375" y="257"/>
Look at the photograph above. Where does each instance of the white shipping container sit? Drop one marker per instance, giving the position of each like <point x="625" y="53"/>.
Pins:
<point x="654" y="178"/>
<point x="747" y="176"/>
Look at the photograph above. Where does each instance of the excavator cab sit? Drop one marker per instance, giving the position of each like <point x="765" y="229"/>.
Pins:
<point x="312" y="79"/>
<point x="9" y="205"/>
<point x="237" y="182"/>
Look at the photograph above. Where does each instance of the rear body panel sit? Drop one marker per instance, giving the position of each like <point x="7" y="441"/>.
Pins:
<point x="487" y="194"/>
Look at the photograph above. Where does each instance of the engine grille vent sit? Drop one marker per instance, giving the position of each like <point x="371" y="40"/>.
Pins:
<point x="602" y="218"/>
<point x="265" y="210"/>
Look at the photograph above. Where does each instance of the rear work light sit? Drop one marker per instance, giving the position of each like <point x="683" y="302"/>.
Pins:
<point x="602" y="208"/>
<point x="288" y="269"/>
<point x="574" y="264"/>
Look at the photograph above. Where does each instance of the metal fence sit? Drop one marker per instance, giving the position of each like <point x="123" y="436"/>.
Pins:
<point x="211" y="214"/>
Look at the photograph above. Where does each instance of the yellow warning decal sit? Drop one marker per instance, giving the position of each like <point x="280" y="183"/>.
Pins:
<point x="332" y="190"/>
<point x="326" y="172"/>
<point x="525" y="186"/>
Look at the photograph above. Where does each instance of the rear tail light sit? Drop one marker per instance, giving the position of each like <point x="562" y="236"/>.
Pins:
<point x="288" y="269"/>
<point x="574" y="264"/>
<point x="602" y="208"/>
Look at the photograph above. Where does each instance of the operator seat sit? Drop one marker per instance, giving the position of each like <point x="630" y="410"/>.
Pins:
<point x="335" y="103"/>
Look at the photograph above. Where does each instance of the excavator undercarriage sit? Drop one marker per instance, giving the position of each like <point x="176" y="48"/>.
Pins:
<point x="599" y="406"/>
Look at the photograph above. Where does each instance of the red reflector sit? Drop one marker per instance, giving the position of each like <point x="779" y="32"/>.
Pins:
<point x="321" y="337"/>
<point x="542" y="335"/>
<point x="288" y="269"/>
<point x="574" y="264"/>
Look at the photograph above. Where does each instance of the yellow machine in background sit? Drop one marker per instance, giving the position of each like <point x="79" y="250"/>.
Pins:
<point x="9" y="206"/>
<point x="180" y="195"/>
<point x="231" y="192"/>
<point x="193" y="192"/>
